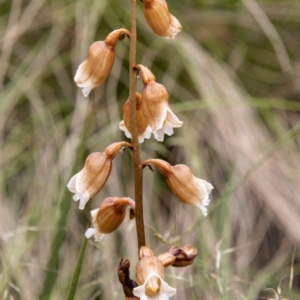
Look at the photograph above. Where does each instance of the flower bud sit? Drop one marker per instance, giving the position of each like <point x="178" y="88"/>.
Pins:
<point x="143" y="128"/>
<point x="155" y="105"/>
<point x="150" y="275"/>
<point x="157" y="15"/>
<point x="109" y="216"/>
<point x="183" y="256"/>
<point x="91" y="179"/>
<point x="186" y="187"/>
<point x="96" y="68"/>
<point x="167" y="259"/>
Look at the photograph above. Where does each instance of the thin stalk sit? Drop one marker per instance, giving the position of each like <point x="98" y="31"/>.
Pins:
<point x="138" y="172"/>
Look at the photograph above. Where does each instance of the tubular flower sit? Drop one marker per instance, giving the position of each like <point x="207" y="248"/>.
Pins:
<point x="156" y="107"/>
<point x="109" y="216"/>
<point x="186" y="187"/>
<point x="143" y="128"/>
<point x="96" y="68"/>
<point x="157" y="15"/>
<point x="150" y="275"/>
<point x="91" y="179"/>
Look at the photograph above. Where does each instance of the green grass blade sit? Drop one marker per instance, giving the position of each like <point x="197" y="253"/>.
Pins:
<point x="73" y="285"/>
<point x="65" y="205"/>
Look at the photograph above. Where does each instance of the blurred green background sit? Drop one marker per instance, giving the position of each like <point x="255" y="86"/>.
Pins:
<point x="233" y="75"/>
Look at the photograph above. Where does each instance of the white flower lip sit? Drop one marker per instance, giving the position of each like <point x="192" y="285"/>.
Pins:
<point x="174" y="28"/>
<point x="205" y="186"/>
<point x="93" y="231"/>
<point x="171" y="121"/>
<point x="141" y="138"/>
<point x="165" y="291"/>
<point x="82" y="197"/>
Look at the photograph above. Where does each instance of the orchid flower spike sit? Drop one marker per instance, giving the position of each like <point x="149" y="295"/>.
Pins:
<point x="150" y="274"/>
<point x="159" y="19"/>
<point x="186" y="187"/>
<point x="91" y="179"/>
<point x="109" y="216"/>
<point x="96" y="68"/>
<point x="155" y="105"/>
<point x="143" y="129"/>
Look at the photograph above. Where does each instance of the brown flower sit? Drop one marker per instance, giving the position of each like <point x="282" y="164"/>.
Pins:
<point x="96" y="68"/>
<point x="155" y="105"/>
<point x="186" y="187"/>
<point x="91" y="179"/>
<point x="160" y="20"/>
<point x="109" y="216"/>
<point x="150" y="274"/>
<point x="143" y="129"/>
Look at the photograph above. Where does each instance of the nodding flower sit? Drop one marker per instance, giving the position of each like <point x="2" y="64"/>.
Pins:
<point x="155" y="105"/>
<point x="186" y="187"/>
<point x="93" y="176"/>
<point x="109" y="216"/>
<point x="159" y="19"/>
<point x="96" y="68"/>
<point x="150" y="274"/>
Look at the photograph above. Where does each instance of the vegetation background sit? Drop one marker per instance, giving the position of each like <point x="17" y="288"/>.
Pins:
<point x="233" y="76"/>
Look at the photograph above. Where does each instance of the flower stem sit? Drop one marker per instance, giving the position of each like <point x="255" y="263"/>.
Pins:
<point x="138" y="172"/>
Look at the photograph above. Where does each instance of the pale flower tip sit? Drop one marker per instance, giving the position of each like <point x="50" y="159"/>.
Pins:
<point x="86" y="91"/>
<point x="76" y="197"/>
<point x="90" y="232"/>
<point x="174" y="28"/>
<point x="83" y="202"/>
<point x="72" y="184"/>
<point x="159" y="135"/>
<point x="203" y="209"/>
<point x="98" y="236"/>
<point x="167" y="290"/>
<point x="94" y="213"/>
<point x="124" y="128"/>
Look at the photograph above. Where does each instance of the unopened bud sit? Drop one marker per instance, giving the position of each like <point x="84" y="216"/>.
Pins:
<point x="186" y="187"/>
<point x="155" y="105"/>
<point x="143" y="129"/>
<point x="93" y="176"/>
<point x="109" y="216"/>
<point x="96" y="68"/>
<point x="166" y="258"/>
<point x="183" y="256"/>
<point x="160" y="20"/>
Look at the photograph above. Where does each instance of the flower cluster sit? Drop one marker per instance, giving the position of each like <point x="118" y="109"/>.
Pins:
<point x="150" y="272"/>
<point x="154" y="112"/>
<point x="153" y="116"/>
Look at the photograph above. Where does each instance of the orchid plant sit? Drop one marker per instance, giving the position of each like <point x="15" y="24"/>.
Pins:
<point x="143" y="114"/>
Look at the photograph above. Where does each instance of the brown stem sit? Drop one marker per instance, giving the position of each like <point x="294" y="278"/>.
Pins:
<point x="138" y="172"/>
